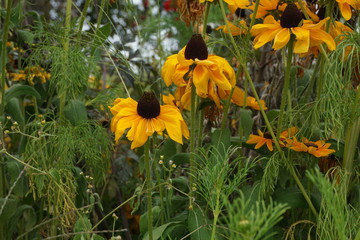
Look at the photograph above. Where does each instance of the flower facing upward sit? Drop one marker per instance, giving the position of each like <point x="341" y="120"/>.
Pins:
<point x="144" y="118"/>
<point x="307" y="34"/>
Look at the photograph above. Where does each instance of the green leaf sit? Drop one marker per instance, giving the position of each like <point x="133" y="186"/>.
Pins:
<point x="197" y="222"/>
<point x="221" y="140"/>
<point x="292" y="196"/>
<point x="97" y="237"/>
<point x="157" y="232"/>
<point x="83" y="224"/>
<point x="169" y="149"/>
<point x="101" y="35"/>
<point x="75" y="112"/>
<point x="25" y="36"/>
<point x="246" y="121"/>
<point x="19" y="90"/>
<point x="8" y="211"/>
<point x="14" y="169"/>
<point x="14" y="110"/>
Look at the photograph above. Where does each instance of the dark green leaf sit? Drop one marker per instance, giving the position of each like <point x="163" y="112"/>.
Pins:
<point x="75" y="112"/>
<point x="246" y="121"/>
<point x="19" y="90"/>
<point x="197" y="222"/>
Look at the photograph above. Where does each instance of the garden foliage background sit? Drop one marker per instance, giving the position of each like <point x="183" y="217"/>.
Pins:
<point x="117" y="122"/>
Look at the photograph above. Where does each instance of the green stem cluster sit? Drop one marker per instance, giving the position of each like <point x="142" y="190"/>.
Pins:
<point x="149" y="186"/>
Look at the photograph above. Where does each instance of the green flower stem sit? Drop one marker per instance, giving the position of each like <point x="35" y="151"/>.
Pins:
<point x="161" y="193"/>
<point x="192" y="138"/>
<point x="206" y="15"/>
<point x="256" y="7"/>
<point x="101" y="10"/>
<point x="286" y="86"/>
<point x="216" y="214"/>
<point x="149" y="186"/>
<point x="351" y="139"/>
<point x="303" y="10"/>
<point x="4" y="56"/>
<point x="62" y="95"/>
<point x="82" y="19"/>
<point x="226" y="111"/>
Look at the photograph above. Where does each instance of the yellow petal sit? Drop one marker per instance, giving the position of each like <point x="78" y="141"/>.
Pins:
<point x="345" y="10"/>
<point x="201" y="78"/>
<point x="320" y="35"/>
<point x="302" y="42"/>
<point x="281" y="38"/>
<point x="265" y="37"/>
<point x="168" y="69"/>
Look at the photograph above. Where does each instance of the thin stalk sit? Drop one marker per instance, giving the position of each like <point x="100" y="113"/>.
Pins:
<point x="256" y="7"/>
<point x="4" y="56"/>
<point x="82" y="18"/>
<point x="216" y="214"/>
<point x="161" y="193"/>
<point x="192" y="138"/>
<point x="226" y="110"/>
<point x="351" y="139"/>
<point x="206" y="15"/>
<point x="102" y="6"/>
<point x="149" y="185"/>
<point x="62" y="96"/>
<point x="286" y="86"/>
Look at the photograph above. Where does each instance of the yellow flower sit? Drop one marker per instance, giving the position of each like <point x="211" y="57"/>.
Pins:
<point x="235" y="30"/>
<point x="319" y="148"/>
<point x="295" y="145"/>
<point x="238" y="99"/>
<point x="144" y="118"/>
<point x="267" y="6"/>
<point x="194" y="63"/>
<point x="306" y="36"/>
<point x="345" y="7"/>
<point x="235" y="4"/>
<point x="260" y="140"/>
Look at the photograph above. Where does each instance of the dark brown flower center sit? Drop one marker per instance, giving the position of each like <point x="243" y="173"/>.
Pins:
<point x="267" y="135"/>
<point x="291" y="17"/>
<point x="309" y="144"/>
<point x="196" y="48"/>
<point x="148" y="106"/>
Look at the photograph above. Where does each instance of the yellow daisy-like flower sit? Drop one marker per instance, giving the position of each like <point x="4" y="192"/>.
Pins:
<point x="235" y="30"/>
<point x="319" y="148"/>
<point x="265" y="138"/>
<point x="180" y="99"/>
<point x="260" y="140"/>
<point x="206" y="68"/>
<point x="345" y="7"/>
<point x="144" y="118"/>
<point x="239" y="97"/>
<point x="267" y="6"/>
<point x="307" y="35"/>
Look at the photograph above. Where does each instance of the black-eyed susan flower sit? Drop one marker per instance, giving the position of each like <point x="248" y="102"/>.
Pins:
<point x="266" y="138"/>
<point x="145" y="117"/>
<point x="319" y="148"/>
<point x="345" y="7"/>
<point x="307" y="34"/>
<point x="261" y="139"/>
<point x="194" y="62"/>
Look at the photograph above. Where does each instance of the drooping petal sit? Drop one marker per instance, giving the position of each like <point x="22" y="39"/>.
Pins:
<point x="123" y="124"/>
<point x="238" y="97"/>
<point x="265" y="37"/>
<point x="302" y="42"/>
<point x="138" y="137"/>
<point x="281" y="38"/>
<point x="168" y="69"/>
<point x="345" y="10"/>
<point x="201" y="78"/>
<point x="172" y="123"/>
<point x="320" y="35"/>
